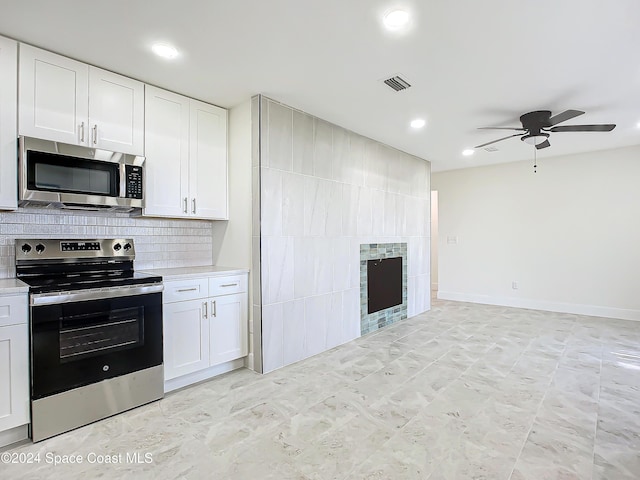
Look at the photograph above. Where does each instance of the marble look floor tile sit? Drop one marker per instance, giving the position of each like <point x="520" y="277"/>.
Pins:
<point x="335" y="454"/>
<point x="398" y="459"/>
<point x="463" y="391"/>
<point x="547" y="447"/>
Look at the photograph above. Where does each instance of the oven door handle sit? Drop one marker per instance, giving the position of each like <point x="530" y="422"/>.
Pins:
<point x="38" y="299"/>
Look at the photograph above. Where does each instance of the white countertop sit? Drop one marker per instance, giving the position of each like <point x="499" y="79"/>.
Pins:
<point x="12" y="286"/>
<point x="190" y="272"/>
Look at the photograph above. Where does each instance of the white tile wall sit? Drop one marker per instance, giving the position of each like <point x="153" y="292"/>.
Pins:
<point x="159" y="243"/>
<point x="293" y="335"/>
<point x="272" y="336"/>
<point x="324" y="191"/>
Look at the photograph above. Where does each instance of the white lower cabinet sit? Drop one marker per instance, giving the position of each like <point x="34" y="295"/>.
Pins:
<point x="186" y="338"/>
<point x="14" y="363"/>
<point x="205" y="327"/>
<point x="228" y="328"/>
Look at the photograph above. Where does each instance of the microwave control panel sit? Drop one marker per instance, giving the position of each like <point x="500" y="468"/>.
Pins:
<point x="133" y="181"/>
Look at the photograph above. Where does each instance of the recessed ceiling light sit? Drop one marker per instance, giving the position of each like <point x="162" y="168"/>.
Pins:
<point x="468" y="152"/>
<point x="638" y="125"/>
<point x="396" y="19"/>
<point x="418" y="123"/>
<point x="165" y="51"/>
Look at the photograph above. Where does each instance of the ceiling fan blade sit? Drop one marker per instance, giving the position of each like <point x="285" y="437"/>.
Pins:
<point x="584" y="128"/>
<point x="498" y="140"/>
<point x="564" y="116"/>
<point x="544" y="144"/>
<point x="503" y="128"/>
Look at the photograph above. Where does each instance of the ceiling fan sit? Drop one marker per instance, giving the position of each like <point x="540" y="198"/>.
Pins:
<point x="537" y="126"/>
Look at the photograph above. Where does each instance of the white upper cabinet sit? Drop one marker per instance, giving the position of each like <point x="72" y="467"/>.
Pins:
<point x="53" y="97"/>
<point x="167" y="151"/>
<point x="68" y="101"/>
<point x="208" y="165"/>
<point x="186" y="151"/>
<point x="116" y="112"/>
<point x="8" y="127"/>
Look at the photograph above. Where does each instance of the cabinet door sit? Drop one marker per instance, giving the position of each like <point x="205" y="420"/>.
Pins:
<point x="116" y="112"/>
<point x="186" y="338"/>
<point x="167" y="153"/>
<point x="208" y="161"/>
<point x="14" y="376"/>
<point x="228" y="330"/>
<point x="8" y="127"/>
<point x="53" y="97"/>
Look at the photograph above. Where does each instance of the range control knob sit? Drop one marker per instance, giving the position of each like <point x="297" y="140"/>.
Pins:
<point x="26" y="248"/>
<point x="127" y="246"/>
<point x="117" y="247"/>
<point x="39" y="248"/>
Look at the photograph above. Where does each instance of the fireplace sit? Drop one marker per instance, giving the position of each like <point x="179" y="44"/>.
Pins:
<point x="383" y="285"/>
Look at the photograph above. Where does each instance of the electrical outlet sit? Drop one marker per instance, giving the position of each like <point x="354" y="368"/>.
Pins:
<point x="514" y="285"/>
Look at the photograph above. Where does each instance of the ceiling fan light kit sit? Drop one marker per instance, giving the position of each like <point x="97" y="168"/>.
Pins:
<point x="537" y="126"/>
<point x="535" y="138"/>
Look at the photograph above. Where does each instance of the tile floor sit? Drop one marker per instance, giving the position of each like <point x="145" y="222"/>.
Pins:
<point x="461" y="392"/>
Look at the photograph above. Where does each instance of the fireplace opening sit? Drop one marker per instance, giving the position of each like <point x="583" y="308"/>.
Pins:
<point x="384" y="283"/>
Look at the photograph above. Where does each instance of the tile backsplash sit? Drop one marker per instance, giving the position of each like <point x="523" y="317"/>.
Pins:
<point x="159" y="242"/>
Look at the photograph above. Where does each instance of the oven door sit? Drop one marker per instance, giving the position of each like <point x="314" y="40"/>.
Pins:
<point x="82" y="338"/>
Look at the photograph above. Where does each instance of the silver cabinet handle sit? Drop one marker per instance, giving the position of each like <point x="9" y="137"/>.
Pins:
<point x="213" y="309"/>
<point x="185" y="204"/>
<point x="229" y="285"/>
<point x="187" y="289"/>
<point x="95" y="134"/>
<point x="204" y="306"/>
<point x="193" y="208"/>
<point x="82" y="132"/>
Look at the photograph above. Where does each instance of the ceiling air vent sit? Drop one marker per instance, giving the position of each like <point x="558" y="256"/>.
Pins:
<point x="397" y="83"/>
<point x="491" y="149"/>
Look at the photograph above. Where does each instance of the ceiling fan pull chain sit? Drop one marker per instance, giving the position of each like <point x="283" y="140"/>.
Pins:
<point x="535" y="160"/>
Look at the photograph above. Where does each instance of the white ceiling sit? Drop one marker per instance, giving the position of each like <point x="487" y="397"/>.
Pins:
<point x="471" y="63"/>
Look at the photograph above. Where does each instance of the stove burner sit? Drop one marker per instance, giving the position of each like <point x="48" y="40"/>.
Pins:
<point x="53" y="265"/>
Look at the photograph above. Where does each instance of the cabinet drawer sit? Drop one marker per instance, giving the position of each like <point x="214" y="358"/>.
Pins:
<point x="227" y="285"/>
<point x="13" y="310"/>
<point x="179" y="290"/>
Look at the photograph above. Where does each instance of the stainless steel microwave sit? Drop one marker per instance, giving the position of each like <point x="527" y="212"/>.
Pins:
<point x="71" y="176"/>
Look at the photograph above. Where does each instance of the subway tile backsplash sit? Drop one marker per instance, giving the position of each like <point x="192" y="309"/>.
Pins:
<point x="159" y="242"/>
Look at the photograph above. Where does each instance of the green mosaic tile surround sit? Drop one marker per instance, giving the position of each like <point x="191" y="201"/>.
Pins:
<point x="374" y="321"/>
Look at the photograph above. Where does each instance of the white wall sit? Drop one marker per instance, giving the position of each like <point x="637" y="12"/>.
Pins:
<point x="324" y="191"/>
<point x="434" y="241"/>
<point x="232" y="238"/>
<point x="569" y="234"/>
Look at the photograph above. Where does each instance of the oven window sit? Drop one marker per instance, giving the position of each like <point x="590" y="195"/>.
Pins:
<point x="90" y="334"/>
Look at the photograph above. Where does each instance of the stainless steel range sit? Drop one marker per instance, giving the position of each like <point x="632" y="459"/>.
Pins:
<point x="96" y="331"/>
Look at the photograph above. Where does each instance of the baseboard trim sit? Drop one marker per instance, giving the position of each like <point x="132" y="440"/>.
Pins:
<point x="196" y="377"/>
<point x="13" y="436"/>
<point x="575" y="308"/>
